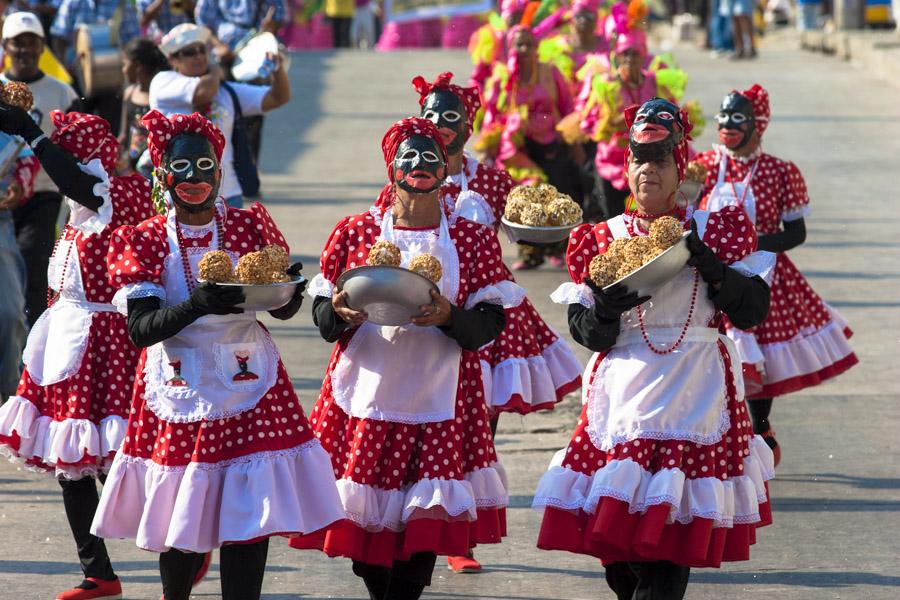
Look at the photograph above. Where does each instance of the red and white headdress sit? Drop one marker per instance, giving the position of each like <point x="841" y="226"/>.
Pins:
<point x="405" y="129"/>
<point x="86" y="137"/>
<point x="759" y="98"/>
<point x="161" y="130"/>
<point x="470" y="96"/>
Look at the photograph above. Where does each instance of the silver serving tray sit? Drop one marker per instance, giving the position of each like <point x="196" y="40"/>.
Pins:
<point x="262" y="297"/>
<point x="390" y="295"/>
<point x="659" y="271"/>
<point x="539" y="235"/>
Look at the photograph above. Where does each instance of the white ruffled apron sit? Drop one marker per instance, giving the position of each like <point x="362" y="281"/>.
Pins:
<point x="637" y="393"/>
<point x="725" y="193"/>
<point x="469" y="204"/>
<point x="58" y="340"/>
<point x="406" y="374"/>
<point x="218" y="366"/>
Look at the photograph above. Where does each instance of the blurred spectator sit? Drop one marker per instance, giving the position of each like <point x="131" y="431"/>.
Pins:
<point x="741" y="14"/>
<point x="808" y="12"/>
<point x="35" y="219"/>
<point x="195" y="85"/>
<point x="720" y="35"/>
<point x="231" y="20"/>
<point x="362" y="29"/>
<point x="340" y="14"/>
<point x="160" y="16"/>
<point x="44" y="10"/>
<point x="143" y="61"/>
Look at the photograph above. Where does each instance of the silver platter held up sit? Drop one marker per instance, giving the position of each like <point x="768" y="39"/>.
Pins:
<point x="658" y="271"/>
<point x="538" y="235"/>
<point x="269" y="296"/>
<point x="390" y="295"/>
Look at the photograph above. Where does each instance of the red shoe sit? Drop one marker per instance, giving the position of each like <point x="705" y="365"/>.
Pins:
<point x="463" y="564"/>
<point x="93" y="589"/>
<point x="769" y="438"/>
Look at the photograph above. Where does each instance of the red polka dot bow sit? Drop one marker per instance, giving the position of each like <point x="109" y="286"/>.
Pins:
<point x="161" y="130"/>
<point x="405" y="129"/>
<point x="469" y="95"/>
<point x="86" y="137"/>
<point x="759" y="98"/>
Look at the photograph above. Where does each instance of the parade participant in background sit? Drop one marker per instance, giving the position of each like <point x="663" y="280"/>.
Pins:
<point x="160" y="16"/>
<point x="528" y="367"/>
<point x="340" y="14"/>
<point x="571" y="50"/>
<point x="416" y="464"/>
<point x="803" y="341"/>
<point x="68" y="414"/>
<point x="525" y="100"/>
<point x="35" y="215"/>
<point x="231" y="20"/>
<point x="487" y="46"/>
<point x="662" y="473"/>
<point x="143" y="61"/>
<point x="121" y="16"/>
<point x="211" y="458"/>
<point x="195" y="85"/>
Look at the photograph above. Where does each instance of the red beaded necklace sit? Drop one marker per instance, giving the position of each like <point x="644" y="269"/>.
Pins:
<point x="185" y="263"/>
<point x="684" y="329"/>
<point x="51" y="298"/>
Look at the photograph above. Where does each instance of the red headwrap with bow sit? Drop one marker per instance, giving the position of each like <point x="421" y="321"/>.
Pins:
<point x="86" y="137"/>
<point x="680" y="152"/>
<point x="161" y="130"/>
<point x="759" y="98"/>
<point x="405" y="129"/>
<point x="469" y="95"/>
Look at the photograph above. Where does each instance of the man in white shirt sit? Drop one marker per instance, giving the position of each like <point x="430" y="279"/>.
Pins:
<point x="196" y="86"/>
<point x="35" y="218"/>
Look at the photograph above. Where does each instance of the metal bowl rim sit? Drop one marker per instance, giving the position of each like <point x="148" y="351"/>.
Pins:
<point x="642" y="267"/>
<point x="299" y="279"/>
<point x="547" y="228"/>
<point x="356" y="270"/>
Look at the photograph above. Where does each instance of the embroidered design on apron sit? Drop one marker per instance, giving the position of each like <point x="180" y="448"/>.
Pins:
<point x="380" y="373"/>
<point x="727" y="193"/>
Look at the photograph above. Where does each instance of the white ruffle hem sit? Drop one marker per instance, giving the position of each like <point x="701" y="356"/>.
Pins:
<point x="535" y="379"/>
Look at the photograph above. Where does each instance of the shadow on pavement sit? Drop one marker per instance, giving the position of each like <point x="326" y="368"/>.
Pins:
<point x="818" y="579"/>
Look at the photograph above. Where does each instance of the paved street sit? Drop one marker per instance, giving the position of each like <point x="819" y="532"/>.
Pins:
<point x="837" y="494"/>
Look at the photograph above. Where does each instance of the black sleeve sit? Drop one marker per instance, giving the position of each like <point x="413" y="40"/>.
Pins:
<point x="63" y="169"/>
<point x="744" y="299"/>
<point x="591" y="331"/>
<point x="330" y="325"/>
<point x="474" y="328"/>
<point x="149" y="324"/>
<point x="793" y="235"/>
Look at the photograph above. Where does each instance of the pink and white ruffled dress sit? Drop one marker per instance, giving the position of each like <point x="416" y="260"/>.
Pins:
<point x="663" y="463"/>
<point x="803" y="340"/>
<point x="68" y="414"/>
<point x="529" y="367"/>
<point x="217" y="449"/>
<point x="403" y="411"/>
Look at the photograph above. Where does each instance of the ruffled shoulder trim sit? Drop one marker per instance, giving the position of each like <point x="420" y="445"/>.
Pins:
<point x="84" y="219"/>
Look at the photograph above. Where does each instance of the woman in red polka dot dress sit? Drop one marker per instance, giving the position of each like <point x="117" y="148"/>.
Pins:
<point x="528" y="367"/>
<point x="68" y="414"/>
<point x="402" y="409"/>
<point x="217" y="451"/>
<point x="803" y="342"/>
<point x="663" y="472"/>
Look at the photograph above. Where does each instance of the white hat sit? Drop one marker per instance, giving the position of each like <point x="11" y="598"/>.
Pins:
<point x="22" y="22"/>
<point x="182" y="36"/>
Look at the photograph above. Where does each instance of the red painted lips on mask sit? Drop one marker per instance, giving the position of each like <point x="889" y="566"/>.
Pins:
<point x="447" y="135"/>
<point x="649" y="133"/>
<point x="193" y="193"/>
<point x="731" y="137"/>
<point x="420" y="180"/>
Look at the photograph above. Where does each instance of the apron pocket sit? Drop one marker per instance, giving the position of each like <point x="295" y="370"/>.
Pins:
<point x="241" y="367"/>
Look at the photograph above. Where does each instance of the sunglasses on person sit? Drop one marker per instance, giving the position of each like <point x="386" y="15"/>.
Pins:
<point x="191" y="52"/>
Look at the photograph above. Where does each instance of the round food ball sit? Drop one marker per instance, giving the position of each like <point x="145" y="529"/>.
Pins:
<point x="514" y="208"/>
<point x="546" y="193"/>
<point x="278" y="258"/>
<point x="617" y="248"/>
<point x="637" y="247"/>
<point x="654" y="252"/>
<point x="523" y="192"/>
<point x="534" y="215"/>
<point x="16" y="93"/>
<point x="603" y="269"/>
<point x="383" y="254"/>
<point x="563" y="211"/>
<point x="427" y="266"/>
<point x="696" y="171"/>
<point x="253" y="268"/>
<point x="665" y="232"/>
<point x="628" y="266"/>
<point x="215" y="267"/>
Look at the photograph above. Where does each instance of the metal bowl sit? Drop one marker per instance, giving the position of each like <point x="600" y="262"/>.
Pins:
<point x="658" y="271"/>
<point x="539" y="235"/>
<point x="390" y="295"/>
<point x="268" y="296"/>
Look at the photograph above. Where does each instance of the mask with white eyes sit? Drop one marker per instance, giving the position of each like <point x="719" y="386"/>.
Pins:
<point x="447" y="111"/>
<point x="191" y="172"/>
<point x="419" y="165"/>
<point x="736" y="121"/>
<point x="656" y="130"/>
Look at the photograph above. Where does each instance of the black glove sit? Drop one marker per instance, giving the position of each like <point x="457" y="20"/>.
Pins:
<point x="290" y="309"/>
<point x="609" y="305"/>
<point x="211" y="299"/>
<point x="15" y="121"/>
<point x="711" y="269"/>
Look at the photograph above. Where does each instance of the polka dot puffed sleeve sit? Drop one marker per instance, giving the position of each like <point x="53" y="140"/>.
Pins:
<point x="135" y="261"/>
<point x="488" y="281"/>
<point x="266" y="227"/>
<point x="795" y="198"/>
<point x="732" y="237"/>
<point x="585" y="242"/>
<point x="333" y="261"/>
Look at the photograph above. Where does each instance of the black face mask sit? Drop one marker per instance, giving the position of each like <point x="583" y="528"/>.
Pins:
<point x="419" y="165"/>
<point x="191" y="172"/>
<point x="655" y="130"/>
<point x="736" y="121"/>
<point x="447" y="111"/>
